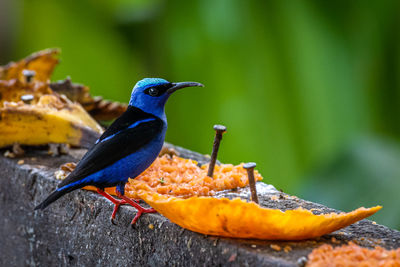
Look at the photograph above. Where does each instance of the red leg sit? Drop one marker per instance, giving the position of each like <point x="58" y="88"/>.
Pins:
<point x="140" y="209"/>
<point x="124" y="200"/>
<point x="116" y="202"/>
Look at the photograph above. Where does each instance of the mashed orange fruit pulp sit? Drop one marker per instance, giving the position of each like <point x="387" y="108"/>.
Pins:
<point x="353" y="255"/>
<point x="183" y="178"/>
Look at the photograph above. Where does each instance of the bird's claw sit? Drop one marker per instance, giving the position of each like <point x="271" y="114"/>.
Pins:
<point x="125" y="200"/>
<point x="140" y="213"/>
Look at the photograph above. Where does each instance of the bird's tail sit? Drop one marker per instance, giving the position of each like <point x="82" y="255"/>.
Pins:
<point x="53" y="197"/>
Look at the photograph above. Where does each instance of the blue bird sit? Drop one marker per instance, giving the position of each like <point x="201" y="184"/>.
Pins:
<point x="127" y="148"/>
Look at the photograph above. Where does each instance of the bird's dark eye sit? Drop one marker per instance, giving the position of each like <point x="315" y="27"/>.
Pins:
<point x="153" y="91"/>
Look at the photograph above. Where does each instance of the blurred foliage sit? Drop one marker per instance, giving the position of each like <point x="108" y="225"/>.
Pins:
<point x="365" y="174"/>
<point x="296" y="82"/>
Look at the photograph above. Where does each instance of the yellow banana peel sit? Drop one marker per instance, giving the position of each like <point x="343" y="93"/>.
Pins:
<point x="34" y="125"/>
<point x="40" y="66"/>
<point x="32" y="114"/>
<point x="42" y="63"/>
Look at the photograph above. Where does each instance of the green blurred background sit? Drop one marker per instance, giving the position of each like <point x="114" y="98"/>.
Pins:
<point x="309" y="90"/>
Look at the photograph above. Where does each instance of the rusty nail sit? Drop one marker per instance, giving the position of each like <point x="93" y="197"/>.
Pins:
<point x="29" y="74"/>
<point x="27" y="99"/>
<point x="252" y="182"/>
<point x="219" y="130"/>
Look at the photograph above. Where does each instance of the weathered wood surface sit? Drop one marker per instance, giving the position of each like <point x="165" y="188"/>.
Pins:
<point x="76" y="229"/>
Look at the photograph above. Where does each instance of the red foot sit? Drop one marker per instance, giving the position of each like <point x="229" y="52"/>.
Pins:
<point x="140" y="209"/>
<point x="125" y="200"/>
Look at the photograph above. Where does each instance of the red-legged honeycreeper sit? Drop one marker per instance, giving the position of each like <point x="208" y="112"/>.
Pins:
<point x="126" y="148"/>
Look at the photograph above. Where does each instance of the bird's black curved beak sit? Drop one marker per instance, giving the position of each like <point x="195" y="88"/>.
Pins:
<point x="177" y="86"/>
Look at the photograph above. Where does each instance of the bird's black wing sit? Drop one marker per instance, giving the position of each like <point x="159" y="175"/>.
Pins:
<point x="120" y="140"/>
<point x="128" y="118"/>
